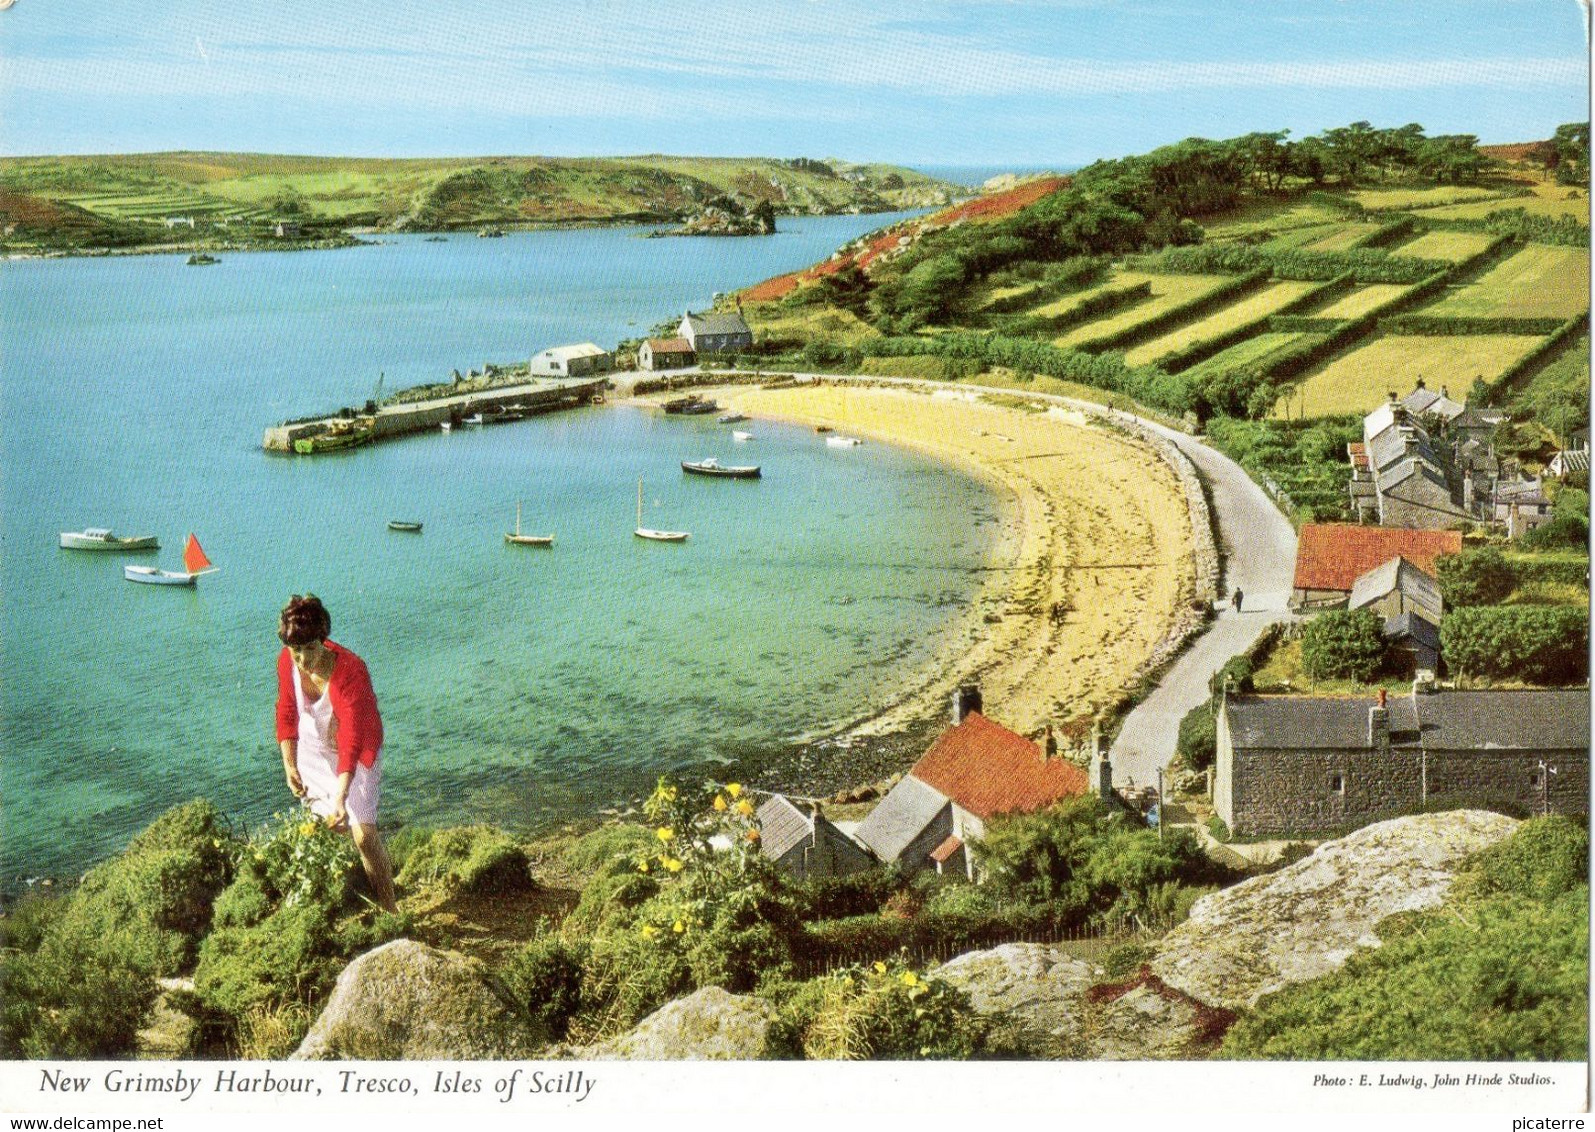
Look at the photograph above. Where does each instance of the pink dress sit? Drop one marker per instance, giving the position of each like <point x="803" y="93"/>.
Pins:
<point x="318" y="761"/>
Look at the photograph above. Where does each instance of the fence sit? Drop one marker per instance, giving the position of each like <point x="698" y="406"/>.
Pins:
<point x="832" y="955"/>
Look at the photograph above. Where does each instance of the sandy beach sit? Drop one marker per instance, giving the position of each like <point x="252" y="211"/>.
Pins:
<point x="1095" y="524"/>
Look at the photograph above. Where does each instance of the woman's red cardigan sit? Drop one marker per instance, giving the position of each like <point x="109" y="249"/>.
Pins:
<point x="354" y="706"/>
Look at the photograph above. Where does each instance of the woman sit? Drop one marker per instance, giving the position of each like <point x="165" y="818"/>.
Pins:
<point x="331" y="733"/>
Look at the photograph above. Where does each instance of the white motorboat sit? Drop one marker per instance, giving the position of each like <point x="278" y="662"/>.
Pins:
<point x="843" y="441"/>
<point x="101" y="538"/>
<point x="740" y="436"/>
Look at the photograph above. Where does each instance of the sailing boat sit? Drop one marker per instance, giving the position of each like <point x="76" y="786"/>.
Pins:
<point x="526" y="540"/>
<point x="194" y="564"/>
<point x="656" y="536"/>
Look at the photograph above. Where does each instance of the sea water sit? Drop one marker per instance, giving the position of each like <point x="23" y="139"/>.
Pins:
<point x="518" y="686"/>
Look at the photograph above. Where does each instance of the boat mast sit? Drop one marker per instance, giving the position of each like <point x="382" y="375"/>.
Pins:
<point x="517" y="518"/>
<point x="639" y="503"/>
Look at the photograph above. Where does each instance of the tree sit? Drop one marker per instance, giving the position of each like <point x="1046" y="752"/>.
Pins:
<point x="1343" y="643"/>
<point x="1571" y="143"/>
<point x="1542" y="644"/>
<point x="1475" y="577"/>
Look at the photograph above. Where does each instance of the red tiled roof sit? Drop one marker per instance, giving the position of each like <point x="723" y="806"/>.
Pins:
<point x="946" y="849"/>
<point x="1331" y="556"/>
<point x="988" y="770"/>
<point x="670" y="345"/>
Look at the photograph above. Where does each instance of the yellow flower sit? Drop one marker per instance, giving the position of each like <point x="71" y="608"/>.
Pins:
<point x="720" y="803"/>
<point x="665" y="833"/>
<point x="307" y="828"/>
<point x="642" y="866"/>
<point x="678" y="927"/>
<point x="924" y="1051"/>
<point x="672" y="864"/>
<point x="909" y="979"/>
<point x="745" y="808"/>
<point x="649" y="931"/>
<point x="734" y="789"/>
<point x="880" y="968"/>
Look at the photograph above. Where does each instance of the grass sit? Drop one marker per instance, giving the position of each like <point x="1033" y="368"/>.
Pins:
<point x="1253" y="306"/>
<point x="1250" y="352"/>
<point x="1541" y="281"/>
<point x="1550" y="200"/>
<point x="1434" y="197"/>
<point x="1451" y="246"/>
<point x="1301" y="237"/>
<point x="1167" y="291"/>
<point x="1361" y="301"/>
<point x="1273" y="216"/>
<point x="1360" y="381"/>
<point x="804" y="324"/>
<point x="1343" y="238"/>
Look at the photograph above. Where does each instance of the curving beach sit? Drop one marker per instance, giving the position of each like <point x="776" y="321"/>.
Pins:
<point x="1096" y="524"/>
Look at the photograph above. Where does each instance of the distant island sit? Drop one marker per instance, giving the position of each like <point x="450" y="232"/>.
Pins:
<point x="189" y="201"/>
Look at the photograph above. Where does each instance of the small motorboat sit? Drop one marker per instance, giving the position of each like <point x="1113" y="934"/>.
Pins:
<point x="406" y="525"/>
<point x="740" y="437"/>
<point x="446" y="426"/>
<point x="843" y="441"/>
<point x="194" y="564"/>
<point x="200" y="259"/>
<point x="732" y="417"/>
<point x="690" y="405"/>
<point x="713" y="467"/>
<point x="101" y="538"/>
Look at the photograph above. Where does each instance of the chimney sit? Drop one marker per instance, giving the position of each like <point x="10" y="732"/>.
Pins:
<point x="1379" y="725"/>
<point x="820" y="855"/>
<point x="1101" y="766"/>
<point x="965" y="700"/>
<point x="1423" y="683"/>
<point x="1420" y="385"/>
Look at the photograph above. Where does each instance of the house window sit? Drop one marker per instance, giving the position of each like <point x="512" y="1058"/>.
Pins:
<point x="1534" y="779"/>
<point x="1337" y="784"/>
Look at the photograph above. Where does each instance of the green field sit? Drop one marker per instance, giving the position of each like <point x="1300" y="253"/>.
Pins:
<point x="1167" y="291"/>
<point x="1343" y="238"/>
<point x="1253" y="306"/>
<point x="1252" y="351"/>
<point x="1361" y="300"/>
<point x="1548" y="200"/>
<point x="1541" y="281"/>
<point x="1300" y="237"/>
<point x="1451" y="246"/>
<point x="1435" y="197"/>
<point x="1360" y="381"/>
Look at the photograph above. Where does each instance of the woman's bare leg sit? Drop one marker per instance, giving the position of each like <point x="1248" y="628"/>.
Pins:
<point x="375" y="859"/>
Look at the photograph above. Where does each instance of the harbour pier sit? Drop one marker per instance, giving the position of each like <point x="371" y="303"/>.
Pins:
<point x="402" y="417"/>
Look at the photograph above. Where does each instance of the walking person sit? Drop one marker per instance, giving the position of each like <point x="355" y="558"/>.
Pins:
<point x="330" y="732"/>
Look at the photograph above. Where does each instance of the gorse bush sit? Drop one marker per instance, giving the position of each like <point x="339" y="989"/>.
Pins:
<point x="474" y="859"/>
<point x="1343" y="643"/>
<point x="1545" y="858"/>
<point x="1475" y="577"/>
<point x="87" y="982"/>
<point x="1539" y="644"/>
<point x="883" y="1011"/>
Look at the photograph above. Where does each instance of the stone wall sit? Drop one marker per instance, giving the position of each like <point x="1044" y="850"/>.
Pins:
<point x="1294" y="792"/>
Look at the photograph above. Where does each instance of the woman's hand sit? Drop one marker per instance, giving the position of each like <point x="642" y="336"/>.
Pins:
<point x="339" y="818"/>
<point x="295" y="784"/>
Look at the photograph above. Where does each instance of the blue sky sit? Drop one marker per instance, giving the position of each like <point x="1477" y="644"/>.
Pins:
<point x="974" y="82"/>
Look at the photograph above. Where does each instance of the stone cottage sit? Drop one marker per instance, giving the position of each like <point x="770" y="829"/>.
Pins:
<point x="1306" y="765"/>
<point x="665" y="353"/>
<point x="806" y="844"/>
<point x="580" y="360"/>
<point x="716" y="332"/>
<point x="976" y="771"/>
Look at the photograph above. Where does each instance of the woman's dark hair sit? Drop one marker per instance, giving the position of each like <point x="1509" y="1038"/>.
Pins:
<point x="303" y="619"/>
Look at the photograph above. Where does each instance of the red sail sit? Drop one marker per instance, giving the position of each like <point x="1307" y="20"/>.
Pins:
<point x="194" y="560"/>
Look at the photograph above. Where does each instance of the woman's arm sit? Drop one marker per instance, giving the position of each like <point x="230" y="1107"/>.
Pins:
<point x="354" y="702"/>
<point x="290" y="766"/>
<point x="339" y="818"/>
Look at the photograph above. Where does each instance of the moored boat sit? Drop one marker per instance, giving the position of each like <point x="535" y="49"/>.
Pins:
<point x="518" y="539"/>
<point x="712" y="467"/>
<point x="732" y="417"/>
<point x="101" y="538"/>
<point x="407" y="525"/>
<point x="648" y="532"/>
<point x="690" y="405"/>
<point x="338" y="436"/>
<point x="739" y="436"/>
<point x="194" y="564"/>
<point x="843" y="441"/>
<point x="200" y="259"/>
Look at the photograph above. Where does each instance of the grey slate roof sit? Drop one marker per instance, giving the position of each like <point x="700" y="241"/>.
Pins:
<point x="1447" y="720"/>
<point x="717" y="322"/>
<point x="1414" y="628"/>
<point x="1390" y="446"/>
<point x="1573" y="460"/>
<point x="782" y="826"/>
<point x="1395" y="574"/>
<point x="901" y="816"/>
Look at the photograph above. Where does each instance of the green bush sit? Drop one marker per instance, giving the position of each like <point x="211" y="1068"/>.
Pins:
<point x="611" y="899"/>
<point x="28" y="920"/>
<point x="1566" y="529"/>
<point x="1539" y="644"/>
<point x="73" y="998"/>
<point x="1475" y="577"/>
<point x="615" y="841"/>
<point x="828" y="898"/>
<point x="1197" y="744"/>
<point x="475" y="859"/>
<point x="1544" y="858"/>
<point x="545" y="982"/>
<point x="1343" y="643"/>
<point x="284" y="958"/>
<point x="885" y="1011"/>
<point x="301" y="861"/>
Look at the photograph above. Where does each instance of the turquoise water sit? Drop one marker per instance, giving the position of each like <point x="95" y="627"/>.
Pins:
<point x="518" y="686"/>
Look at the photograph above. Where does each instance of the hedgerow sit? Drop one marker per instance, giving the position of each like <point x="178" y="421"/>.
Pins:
<point x="1540" y="644"/>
